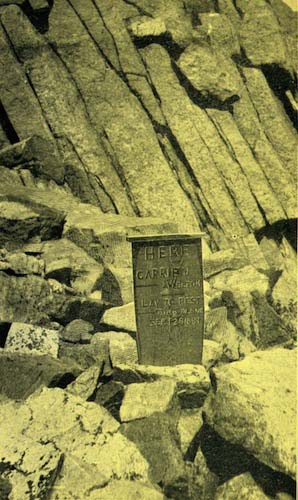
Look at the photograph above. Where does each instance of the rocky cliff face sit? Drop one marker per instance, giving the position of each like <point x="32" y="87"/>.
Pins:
<point x="182" y="109"/>
<point x="146" y="116"/>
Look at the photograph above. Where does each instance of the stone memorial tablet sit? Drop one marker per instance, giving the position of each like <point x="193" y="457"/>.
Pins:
<point x="168" y="289"/>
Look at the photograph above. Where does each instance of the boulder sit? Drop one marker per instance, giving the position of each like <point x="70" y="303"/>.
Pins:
<point x="157" y="439"/>
<point x="83" y="432"/>
<point x="36" y="154"/>
<point x="77" y="331"/>
<point x="110" y="395"/>
<point x="189" y="424"/>
<point x="19" y="263"/>
<point x="208" y="72"/>
<point x="242" y="486"/>
<point x="32" y="299"/>
<point x="71" y="265"/>
<point x="86" y="355"/>
<point x="121" y="318"/>
<point x="86" y="384"/>
<point x="192" y="380"/>
<point x="145" y="26"/>
<point x="221" y="33"/>
<point x="205" y="480"/>
<point x="233" y="343"/>
<point x="25" y="338"/>
<point x="38" y="463"/>
<point x="122" y="347"/>
<point x="22" y="374"/>
<point x="142" y="400"/>
<point x="21" y="220"/>
<point x="212" y="353"/>
<point x="254" y="405"/>
<point x="128" y="490"/>
<point x="260" y="34"/>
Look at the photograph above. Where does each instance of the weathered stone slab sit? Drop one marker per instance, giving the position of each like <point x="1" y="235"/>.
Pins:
<point x="168" y="287"/>
<point x="254" y="405"/>
<point x="77" y="331"/>
<point x="25" y="338"/>
<point x="142" y="400"/>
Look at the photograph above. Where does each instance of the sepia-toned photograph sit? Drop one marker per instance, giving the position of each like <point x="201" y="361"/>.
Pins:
<point x="148" y="249"/>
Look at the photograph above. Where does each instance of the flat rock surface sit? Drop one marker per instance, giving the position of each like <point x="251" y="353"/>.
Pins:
<point x="122" y="347"/>
<point x="254" y="405"/>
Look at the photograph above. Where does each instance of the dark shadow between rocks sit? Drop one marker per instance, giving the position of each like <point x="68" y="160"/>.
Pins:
<point x="4" y="329"/>
<point x="227" y="460"/>
<point x="278" y="230"/>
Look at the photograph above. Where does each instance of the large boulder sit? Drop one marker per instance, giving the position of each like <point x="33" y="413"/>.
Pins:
<point x="253" y="404"/>
<point x="121" y="318"/>
<point x="208" y="72"/>
<point x="84" y="433"/>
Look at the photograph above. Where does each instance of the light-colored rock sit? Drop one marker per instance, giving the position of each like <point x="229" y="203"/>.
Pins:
<point x="86" y="384"/>
<point x="22" y="374"/>
<point x="25" y="338"/>
<point x="246" y="280"/>
<point x="205" y="480"/>
<point x="146" y="26"/>
<point x="71" y="265"/>
<point x="254" y="405"/>
<point x="208" y="72"/>
<point x="260" y="35"/>
<point x="127" y="490"/>
<point x="23" y="458"/>
<point x="192" y="380"/>
<point x="212" y="352"/>
<point x="218" y="329"/>
<point x="189" y="424"/>
<point x="76" y="330"/>
<point x="121" y="318"/>
<point x="142" y="400"/>
<point x="221" y="33"/>
<point x="122" y="347"/>
<point x="21" y="264"/>
<point x="242" y="486"/>
<point x="83" y="432"/>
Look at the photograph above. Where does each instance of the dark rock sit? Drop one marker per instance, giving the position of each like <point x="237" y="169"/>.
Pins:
<point x="157" y="439"/>
<point x="22" y="219"/>
<point x="110" y="395"/>
<point x="76" y="331"/>
<point x="22" y="374"/>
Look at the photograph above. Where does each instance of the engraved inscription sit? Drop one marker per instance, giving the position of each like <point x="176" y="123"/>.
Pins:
<point x="169" y="301"/>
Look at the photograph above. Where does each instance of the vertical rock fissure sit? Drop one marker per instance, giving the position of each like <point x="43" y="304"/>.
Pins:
<point x="7" y="126"/>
